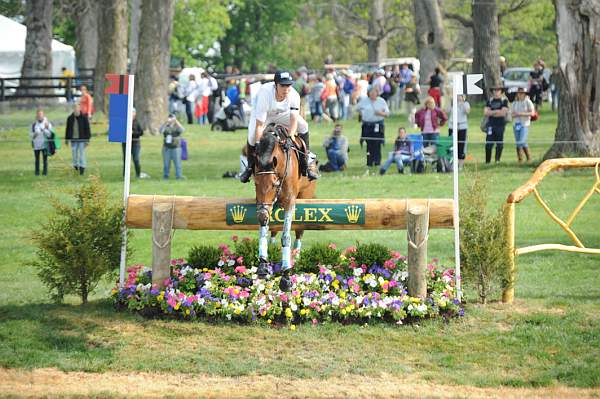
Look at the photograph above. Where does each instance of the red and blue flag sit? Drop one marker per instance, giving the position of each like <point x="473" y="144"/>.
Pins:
<point x="117" y="107"/>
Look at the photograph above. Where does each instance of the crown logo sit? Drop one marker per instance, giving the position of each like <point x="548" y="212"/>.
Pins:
<point x="353" y="213"/>
<point x="238" y="212"/>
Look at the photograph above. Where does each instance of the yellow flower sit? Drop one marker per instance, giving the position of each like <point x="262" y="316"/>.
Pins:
<point x="269" y="321"/>
<point x="343" y="294"/>
<point x="177" y="305"/>
<point x="303" y="312"/>
<point x="415" y="300"/>
<point x="336" y="283"/>
<point x="237" y="311"/>
<point x="187" y="311"/>
<point x="263" y="313"/>
<point x="293" y="327"/>
<point x="288" y="313"/>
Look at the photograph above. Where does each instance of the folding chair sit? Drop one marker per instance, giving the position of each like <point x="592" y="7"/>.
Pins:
<point x="416" y="141"/>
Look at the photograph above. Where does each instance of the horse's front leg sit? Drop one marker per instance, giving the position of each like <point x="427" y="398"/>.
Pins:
<point x="263" y="242"/>
<point x="286" y="239"/>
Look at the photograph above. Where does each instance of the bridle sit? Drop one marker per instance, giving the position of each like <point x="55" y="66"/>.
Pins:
<point x="286" y="146"/>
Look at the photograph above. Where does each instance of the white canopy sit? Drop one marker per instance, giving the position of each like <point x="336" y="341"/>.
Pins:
<point x="12" y="50"/>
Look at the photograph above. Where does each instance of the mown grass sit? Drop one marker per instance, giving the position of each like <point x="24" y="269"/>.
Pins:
<point x="550" y="336"/>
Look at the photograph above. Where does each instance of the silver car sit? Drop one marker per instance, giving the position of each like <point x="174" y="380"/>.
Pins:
<point x="513" y="78"/>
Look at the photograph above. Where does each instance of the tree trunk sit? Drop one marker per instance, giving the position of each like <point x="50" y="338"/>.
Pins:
<point x="578" y="33"/>
<point x="134" y="34"/>
<point x="152" y="79"/>
<point x="432" y="46"/>
<point x="376" y="40"/>
<point x="37" y="60"/>
<point x="86" y="31"/>
<point x="486" y="43"/>
<point x="112" y="47"/>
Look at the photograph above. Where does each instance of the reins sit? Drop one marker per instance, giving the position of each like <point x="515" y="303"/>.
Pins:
<point x="285" y="146"/>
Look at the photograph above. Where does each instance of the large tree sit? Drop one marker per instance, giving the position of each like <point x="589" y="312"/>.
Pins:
<point x="86" y="28"/>
<point x="486" y="42"/>
<point x="112" y="47"/>
<point x="578" y="33"/>
<point x="135" y="13"/>
<point x="37" y="60"/>
<point x="432" y="46"/>
<point x="156" y="26"/>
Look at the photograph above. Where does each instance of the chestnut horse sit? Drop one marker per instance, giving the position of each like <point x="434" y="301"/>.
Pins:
<point x="278" y="179"/>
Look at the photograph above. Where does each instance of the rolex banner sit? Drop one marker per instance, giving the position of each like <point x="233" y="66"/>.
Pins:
<point x="305" y="214"/>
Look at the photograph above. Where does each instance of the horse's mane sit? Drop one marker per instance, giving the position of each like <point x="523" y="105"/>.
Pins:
<point x="264" y="150"/>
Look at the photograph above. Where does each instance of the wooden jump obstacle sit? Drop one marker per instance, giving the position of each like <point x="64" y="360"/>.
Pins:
<point x="531" y="187"/>
<point x="417" y="216"/>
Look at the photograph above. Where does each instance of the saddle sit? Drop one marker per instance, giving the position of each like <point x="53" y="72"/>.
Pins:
<point x="296" y="144"/>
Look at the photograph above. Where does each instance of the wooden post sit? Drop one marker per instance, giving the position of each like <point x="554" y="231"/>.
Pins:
<point x="162" y="223"/>
<point x="418" y="231"/>
<point x="508" y="293"/>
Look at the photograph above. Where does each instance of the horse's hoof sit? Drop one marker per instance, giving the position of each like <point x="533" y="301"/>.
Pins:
<point x="285" y="283"/>
<point x="263" y="269"/>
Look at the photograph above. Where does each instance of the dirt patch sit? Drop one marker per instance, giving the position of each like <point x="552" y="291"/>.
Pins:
<point x="56" y="383"/>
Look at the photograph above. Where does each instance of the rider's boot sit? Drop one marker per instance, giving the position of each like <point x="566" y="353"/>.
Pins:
<point x="308" y="171"/>
<point x="263" y="269"/>
<point x="245" y="176"/>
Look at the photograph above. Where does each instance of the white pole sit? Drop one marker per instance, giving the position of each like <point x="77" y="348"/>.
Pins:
<point x="127" y="179"/>
<point x="457" y="81"/>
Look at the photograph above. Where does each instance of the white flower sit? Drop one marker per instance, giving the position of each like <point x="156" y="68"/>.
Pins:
<point x="201" y="301"/>
<point x="293" y="306"/>
<point x="224" y="302"/>
<point x="261" y="287"/>
<point x="404" y="276"/>
<point x="422" y="308"/>
<point x="221" y="263"/>
<point x="373" y="283"/>
<point x="335" y="301"/>
<point x="231" y="262"/>
<point x="207" y="284"/>
<point x="358" y="271"/>
<point x="253" y="269"/>
<point x="306" y="301"/>
<point x="381" y="280"/>
<point x="228" y="315"/>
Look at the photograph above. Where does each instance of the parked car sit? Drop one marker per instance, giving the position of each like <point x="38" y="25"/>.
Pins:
<point x="516" y="77"/>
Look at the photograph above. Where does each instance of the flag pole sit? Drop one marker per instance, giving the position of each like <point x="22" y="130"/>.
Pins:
<point x="455" y="89"/>
<point x="127" y="178"/>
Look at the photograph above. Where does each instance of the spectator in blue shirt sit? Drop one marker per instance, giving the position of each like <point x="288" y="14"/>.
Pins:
<point x="402" y="153"/>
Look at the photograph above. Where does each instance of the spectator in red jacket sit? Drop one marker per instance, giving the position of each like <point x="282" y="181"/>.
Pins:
<point x="429" y="119"/>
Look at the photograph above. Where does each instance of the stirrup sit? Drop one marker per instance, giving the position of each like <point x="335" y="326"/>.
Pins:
<point x="245" y="176"/>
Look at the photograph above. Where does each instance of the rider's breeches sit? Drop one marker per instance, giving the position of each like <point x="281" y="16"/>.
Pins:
<point x="283" y="119"/>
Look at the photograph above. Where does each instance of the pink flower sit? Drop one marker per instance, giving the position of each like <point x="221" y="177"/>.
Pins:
<point x="322" y="269"/>
<point x="389" y="264"/>
<point x="295" y="293"/>
<point x="393" y="283"/>
<point x="246" y="239"/>
<point x="332" y="246"/>
<point x="240" y="260"/>
<point x="350" y="250"/>
<point x="240" y="269"/>
<point x="173" y="262"/>
<point x="234" y="238"/>
<point x="171" y="301"/>
<point x="396" y="255"/>
<point x="314" y="321"/>
<point x="283" y="297"/>
<point x="167" y="282"/>
<point x="244" y="294"/>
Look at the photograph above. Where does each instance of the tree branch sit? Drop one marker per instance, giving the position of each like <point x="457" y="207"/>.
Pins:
<point x="513" y="7"/>
<point x="466" y="22"/>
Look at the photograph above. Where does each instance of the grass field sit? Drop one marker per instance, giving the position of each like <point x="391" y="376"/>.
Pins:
<point x="546" y="344"/>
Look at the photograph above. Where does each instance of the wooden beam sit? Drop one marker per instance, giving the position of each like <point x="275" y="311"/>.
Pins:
<point x="418" y="233"/>
<point x="200" y="213"/>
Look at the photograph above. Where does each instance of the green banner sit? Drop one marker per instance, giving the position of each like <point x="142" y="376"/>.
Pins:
<point x="305" y="214"/>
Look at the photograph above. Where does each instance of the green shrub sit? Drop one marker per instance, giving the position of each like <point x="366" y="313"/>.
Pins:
<point x="369" y="254"/>
<point x="79" y="244"/>
<point x="248" y="249"/>
<point x="204" y="256"/>
<point x="483" y="245"/>
<point x="318" y="254"/>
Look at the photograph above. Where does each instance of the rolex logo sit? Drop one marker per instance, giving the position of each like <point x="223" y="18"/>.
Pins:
<point x="238" y="212"/>
<point x="353" y="213"/>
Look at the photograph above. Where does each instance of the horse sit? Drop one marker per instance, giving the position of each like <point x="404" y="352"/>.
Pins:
<point x="278" y="179"/>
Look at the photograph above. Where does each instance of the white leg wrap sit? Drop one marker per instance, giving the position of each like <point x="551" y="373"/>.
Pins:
<point x="263" y="242"/>
<point x="286" y="240"/>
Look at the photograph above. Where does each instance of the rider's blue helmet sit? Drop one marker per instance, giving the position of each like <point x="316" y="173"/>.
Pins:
<point x="284" y="78"/>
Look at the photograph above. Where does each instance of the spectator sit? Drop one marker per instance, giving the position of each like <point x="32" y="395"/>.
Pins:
<point x="462" y="111"/>
<point x="496" y="109"/>
<point x="429" y="119"/>
<point x="172" y="131"/>
<point x="136" y="133"/>
<point x="67" y="83"/>
<point x="203" y="99"/>
<point x="302" y="88"/>
<point x="536" y="85"/>
<point x="86" y="101"/>
<point x="191" y="92"/>
<point x="412" y="91"/>
<point x="522" y="109"/>
<point x="379" y="82"/>
<point x="555" y="87"/>
<point x="362" y="89"/>
<point x="316" y="105"/>
<point x="331" y="97"/>
<point x="403" y="153"/>
<point x="40" y="133"/>
<point x="336" y="146"/>
<point x="174" y="94"/>
<point x="214" y="94"/>
<point x="373" y="110"/>
<point x="436" y="85"/>
<point x="346" y="94"/>
<point x="78" y="134"/>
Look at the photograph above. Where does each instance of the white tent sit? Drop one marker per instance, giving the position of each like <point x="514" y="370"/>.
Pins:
<point x="12" y="50"/>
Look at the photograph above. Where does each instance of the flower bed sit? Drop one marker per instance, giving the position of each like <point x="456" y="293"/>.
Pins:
<point x="344" y="292"/>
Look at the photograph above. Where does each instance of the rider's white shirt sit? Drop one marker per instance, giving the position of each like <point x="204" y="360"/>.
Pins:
<point x="267" y="109"/>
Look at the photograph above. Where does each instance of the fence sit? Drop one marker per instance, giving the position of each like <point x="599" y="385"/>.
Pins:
<point x="531" y="187"/>
<point x="417" y="216"/>
<point x="43" y="87"/>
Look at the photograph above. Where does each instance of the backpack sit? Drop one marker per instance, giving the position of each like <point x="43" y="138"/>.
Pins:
<point x="387" y="89"/>
<point x="51" y="144"/>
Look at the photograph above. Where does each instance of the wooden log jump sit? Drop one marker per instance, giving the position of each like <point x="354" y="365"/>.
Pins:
<point x="200" y="213"/>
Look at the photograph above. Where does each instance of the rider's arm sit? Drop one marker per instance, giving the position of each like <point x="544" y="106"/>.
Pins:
<point x="260" y="127"/>
<point x="293" y="123"/>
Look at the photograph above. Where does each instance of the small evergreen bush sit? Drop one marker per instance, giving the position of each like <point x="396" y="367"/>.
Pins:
<point x="79" y="244"/>
<point x="204" y="256"/>
<point x="318" y="254"/>
<point x="370" y="254"/>
<point x="483" y="245"/>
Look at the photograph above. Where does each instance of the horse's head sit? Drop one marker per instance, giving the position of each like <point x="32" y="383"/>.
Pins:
<point x="269" y="175"/>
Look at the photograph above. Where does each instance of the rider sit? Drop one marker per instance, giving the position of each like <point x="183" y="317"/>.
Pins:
<point x="277" y="102"/>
